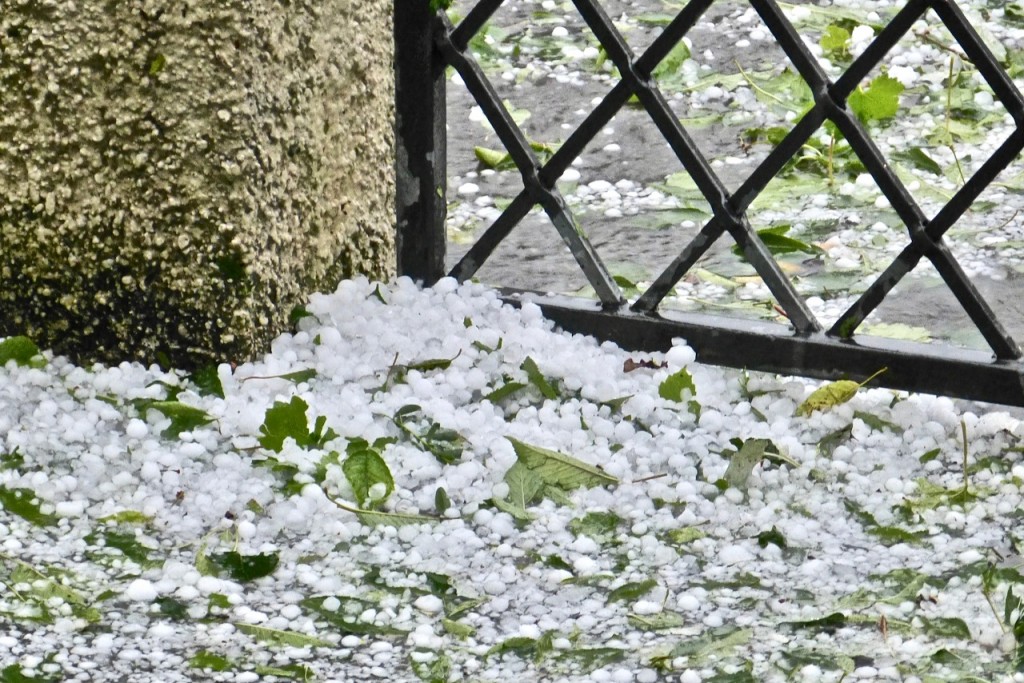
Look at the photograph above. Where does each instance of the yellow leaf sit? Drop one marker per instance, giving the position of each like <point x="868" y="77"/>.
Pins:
<point x="832" y="394"/>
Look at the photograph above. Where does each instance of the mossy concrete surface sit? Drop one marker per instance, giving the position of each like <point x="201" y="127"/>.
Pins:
<point x="176" y="176"/>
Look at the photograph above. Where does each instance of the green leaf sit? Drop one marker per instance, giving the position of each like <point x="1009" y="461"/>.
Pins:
<point x="347" y="621"/>
<point x="23" y="503"/>
<point x="381" y="518"/>
<point x="683" y="535"/>
<point x="826" y="660"/>
<point x="879" y="101"/>
<point x="296" y="377"/>
<point x="711" y="643"/>
<point x="444" y="444"/>
<point x="297" y="314"/>
<point x="218" y="600"/>
<point x="773" y="537"/>
<point x="656" y="622"/>
<point x="524" y="485"/>
<point x="876" y="423"/>
<point x="284" y="420"/>
<point x="889" y="535"/>
<point x="775" y="239"/>
<point x="835" y="42"/>
<point x="673" y="386"/>
<point x="204" y="659"/>
<point x="672" y="62"/>
<point x="920" y="160"/>
<point x="828" y="623"/>
<point x="520" y="514"/>
<point x="600" y="526"/>
<point x="457" y="628"/>
<point x="299" y="672"/>
<point x="432" y="364"/>
<point x="832" y="394"/>
<point x="494" y="158"/>
<point x="245" y="567"/>
<point x="183" y="418"/>
<point x="1011" y="606"/>
<point x="827" y="444"/>
<point x="519" y="645"/>
<point x="504" y="391"/>
<point x="127" y="517"/>
<point x="587" y="660"/>
<point x="364" y="468"/>
<point x="946" y="627"/>
<point x="21" y="350"/>
<point x="558" y="469"/>
<point x="436" y="670"/>
<point x="897" y="331"/>
<point x="12" y="461"/>
<point x="273" y="636"/>
<point x="739" y="676"/>
<point x="172" y="608"/>
<point x="538" y="379"/>
<point x="632" y="590"/>
<point x="742" y="462"/>
<point x="441" y="500"/>
<point x="207" y="381"/>
<point x="127" y="543"/>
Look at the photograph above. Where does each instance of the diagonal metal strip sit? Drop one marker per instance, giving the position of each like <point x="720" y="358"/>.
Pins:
<point x="522" y="155"/>
<point x="492" y="237"/>
<point x="698" y="168"/>
<point x="473" y="22"/>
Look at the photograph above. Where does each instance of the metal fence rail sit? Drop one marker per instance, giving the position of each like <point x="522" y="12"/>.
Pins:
<point x="427" y="43"/>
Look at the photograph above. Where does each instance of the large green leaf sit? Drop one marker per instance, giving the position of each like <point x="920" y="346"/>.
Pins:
<point x="284" y="420"/>
<point x="365" y="468"/>
<point x="245" y="567"/>
<point x="24" y="504"/>
<point x="273" y="636"/>
<point x="743" y="461"/>
<point x="184" y="418"/>
<point x="558" y="469"/>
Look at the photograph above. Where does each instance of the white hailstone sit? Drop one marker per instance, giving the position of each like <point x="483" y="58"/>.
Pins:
<point x="136" y="428"/>
<point x="680" y="355"/>
<point x="141" y="590"/>
<point x="647" y="607"/>
<point x="429" y="604"/>
<point x="377" y="491"/>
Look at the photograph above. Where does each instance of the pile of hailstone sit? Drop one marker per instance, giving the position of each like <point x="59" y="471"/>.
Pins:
<point x="471" y="495"/>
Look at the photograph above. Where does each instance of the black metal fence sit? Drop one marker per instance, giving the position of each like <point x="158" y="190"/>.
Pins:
<point x="427" y="43"/>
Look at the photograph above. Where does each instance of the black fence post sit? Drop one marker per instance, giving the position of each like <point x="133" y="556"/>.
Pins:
<point x="420" y="143"/>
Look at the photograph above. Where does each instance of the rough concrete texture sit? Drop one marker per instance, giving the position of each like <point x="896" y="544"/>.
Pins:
<point x="176" y="176"/>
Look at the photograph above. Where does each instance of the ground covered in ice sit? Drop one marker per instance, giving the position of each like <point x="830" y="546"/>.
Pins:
<point x="429" y="485"/>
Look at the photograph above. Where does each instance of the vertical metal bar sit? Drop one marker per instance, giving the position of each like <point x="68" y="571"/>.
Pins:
<point x="420" y="143"/>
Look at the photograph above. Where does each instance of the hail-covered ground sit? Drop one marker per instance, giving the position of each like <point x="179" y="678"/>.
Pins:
<point x="431" y="485"/>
